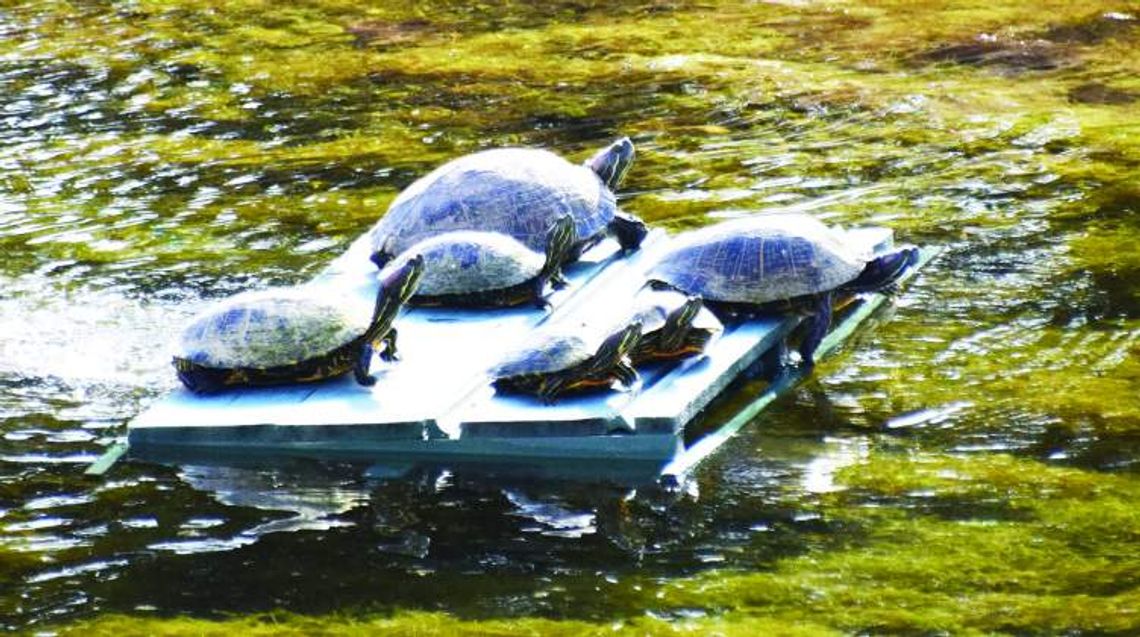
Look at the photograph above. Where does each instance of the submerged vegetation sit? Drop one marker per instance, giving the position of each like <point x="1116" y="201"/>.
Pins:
<point x="181" y="149"/>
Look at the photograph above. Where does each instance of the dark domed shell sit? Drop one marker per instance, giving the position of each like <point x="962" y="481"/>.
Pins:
<point x="459" y="262"/>
<point x="515" y="191"/>
<point x="544" y="353"/>
<point x="760" y="259"/>
<point x="270" y="329"/>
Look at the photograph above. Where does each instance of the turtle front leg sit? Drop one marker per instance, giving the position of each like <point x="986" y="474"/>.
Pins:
<point x="818" y="326"/>
<point x="629" y="230"/>
<point x="388" y="354"/>
<point x="363" y="363"/>
<point x="550" y="388"/>
<point x="625" y="373"/>
<point x="538" y="294"/>
<point x="560" y="239"/>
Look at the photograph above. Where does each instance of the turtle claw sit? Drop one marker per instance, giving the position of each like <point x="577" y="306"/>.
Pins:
<point x="387" y="352"/>
<point x="558" y="282"/>
<point x="366" y="380"/>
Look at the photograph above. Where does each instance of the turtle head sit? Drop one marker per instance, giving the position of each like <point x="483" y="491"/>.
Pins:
<point x="613" y="162"/>
<point x="881" y="273"/>
<point x="682" y="317"/>
<point x="618" y="346"/>
<point x="677" y="338"/>
<point x="397" y="285"/>
<point x="401" y="282"/>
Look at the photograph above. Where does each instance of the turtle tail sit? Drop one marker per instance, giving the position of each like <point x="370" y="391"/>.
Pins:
<point x="882" y="272"/>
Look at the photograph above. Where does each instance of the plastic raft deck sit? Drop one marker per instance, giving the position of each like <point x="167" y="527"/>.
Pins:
<point x="437" y="400"/>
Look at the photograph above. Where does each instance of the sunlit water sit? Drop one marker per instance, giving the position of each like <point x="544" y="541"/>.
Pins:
<point x="118" y="220"/>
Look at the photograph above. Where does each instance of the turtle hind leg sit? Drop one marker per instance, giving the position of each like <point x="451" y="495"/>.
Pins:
<point x="202" y="383"/>
<point x="380" y="259"/>
<point x="818" y="325"/>
<point x="198" y="379"/>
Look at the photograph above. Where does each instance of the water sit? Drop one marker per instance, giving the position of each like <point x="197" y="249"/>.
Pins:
<point x="155" y="157"/>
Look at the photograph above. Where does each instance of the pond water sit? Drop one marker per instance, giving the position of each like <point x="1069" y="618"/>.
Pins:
<point x="971" y="464"/>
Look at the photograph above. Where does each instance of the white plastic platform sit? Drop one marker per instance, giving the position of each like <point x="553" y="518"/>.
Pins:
<point x="437" y="399"/>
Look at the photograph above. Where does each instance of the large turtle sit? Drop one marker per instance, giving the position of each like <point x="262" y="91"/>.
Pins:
<point x="291" y="336"/>
<point x="554" y="363"/>
<point x="673" y="325"/>
<point x="469" y="268"/>
<point x="514" y="191"/>
<point x="776" y="263"/>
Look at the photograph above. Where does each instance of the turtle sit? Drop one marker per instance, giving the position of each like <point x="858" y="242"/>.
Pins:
<point x="517" y="192"/>
<point x="472" y="268"/>
<point x="776" y="263"/>
<point x="291" y="335"/>
<point x="674" y="326"/>
<point x="552" y="363"/>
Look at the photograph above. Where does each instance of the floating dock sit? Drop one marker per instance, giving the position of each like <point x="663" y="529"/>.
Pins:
<point x="437" y="401"/>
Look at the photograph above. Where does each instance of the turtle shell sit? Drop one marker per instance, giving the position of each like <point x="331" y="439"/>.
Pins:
<point x="270" y="329"/>
<point x="471" y="261"/>
<point x="760" y="260"/>
<point x="519" y="192"/>
<point x="544" y="354"/>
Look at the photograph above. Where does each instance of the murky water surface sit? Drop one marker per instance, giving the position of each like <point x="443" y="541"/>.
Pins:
<point x="970" y="464"/>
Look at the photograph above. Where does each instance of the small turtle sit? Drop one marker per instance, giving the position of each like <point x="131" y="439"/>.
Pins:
<point x="555" y="363"/>
<point x="674" y="326"/>
<point x="514" y="191"/>
<point x="291" y="336"/>
<point x="776" y="264"/>
<point x="469" y="268"/>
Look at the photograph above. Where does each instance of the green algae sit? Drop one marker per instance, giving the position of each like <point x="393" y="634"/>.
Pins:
<point x="910" y="567"/>
<point x="1006" y="131"/>
<point x="425" y="624"/>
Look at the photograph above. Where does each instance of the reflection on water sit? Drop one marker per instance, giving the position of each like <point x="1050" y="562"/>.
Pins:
<point x="471" y="532"/>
